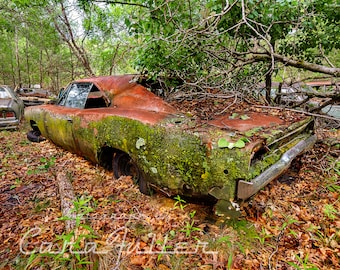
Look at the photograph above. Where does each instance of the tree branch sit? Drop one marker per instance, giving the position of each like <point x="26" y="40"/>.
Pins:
<point x="298" y="63"/>
<point x="298" y="111"/>
<point x="120" y="3"/>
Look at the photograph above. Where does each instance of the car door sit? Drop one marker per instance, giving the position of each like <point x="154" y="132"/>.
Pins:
<point x="59" y="122"/>
<point x="85" y="133"/>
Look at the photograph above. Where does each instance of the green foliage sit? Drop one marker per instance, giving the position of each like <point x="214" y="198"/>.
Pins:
<point x="50" y="61"/>
<point x="27" y="58"/>
<point x="45" y="165"/>
<point x="240" y="143"/>
<point x="205" y="41"/>
<point x="71" y="253"/>
<point x="330" y="211"/>
<point x="263" y="236"/>
<point x="180" y="203"/>
<point x="197" y="41"/>
<point x="303" y="264"/>
<point x="288" y="221"/>
<point x="164" y="247"/>
<point x="18" y="182"/>
<point x="189" y="228"/>
<point x="334" y="172"/>
<point x="82" y="208"/>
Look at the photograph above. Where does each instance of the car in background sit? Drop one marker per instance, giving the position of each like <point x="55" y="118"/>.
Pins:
<point x="332" y="110"/>
<point x="117" y="122"/>
<point x="11" y="108"/>
<point x="297" y="96"/>
<point x="286" y="95"/>
<point x="34" y="96"/>
<point x="325" y="86"/>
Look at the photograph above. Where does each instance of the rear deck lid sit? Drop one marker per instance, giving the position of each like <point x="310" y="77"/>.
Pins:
<point x="245" y="122"/>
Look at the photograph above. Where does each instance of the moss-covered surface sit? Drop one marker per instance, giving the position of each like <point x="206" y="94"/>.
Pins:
<point x="168" y="156"/>
<point x="172" y="154"/>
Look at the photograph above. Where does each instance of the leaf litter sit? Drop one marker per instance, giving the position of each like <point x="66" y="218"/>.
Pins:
<point x="293" y="223"/>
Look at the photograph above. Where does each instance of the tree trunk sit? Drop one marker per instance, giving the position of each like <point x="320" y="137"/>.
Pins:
<point x="64" y="28"/>
<point x="41" y="68"/>
<point x="27" y="63"/>
<point x="113" y="64"/>
<point x="17" y="57"/>
<point x="268" y="85"/>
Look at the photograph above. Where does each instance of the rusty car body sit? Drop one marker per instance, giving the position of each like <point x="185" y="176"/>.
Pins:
<point x="115" y="120"/>
<point x="11" y="108"/>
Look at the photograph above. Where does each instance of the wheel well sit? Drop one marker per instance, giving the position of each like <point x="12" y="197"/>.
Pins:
<point x="34" y="125"/>
<point x="105" y="156"/>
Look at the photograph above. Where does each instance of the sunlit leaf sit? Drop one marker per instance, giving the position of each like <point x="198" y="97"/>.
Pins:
<point x="223" y="143"/>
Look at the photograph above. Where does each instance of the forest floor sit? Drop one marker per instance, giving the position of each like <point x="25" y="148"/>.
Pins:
<point x="293" y="223"/>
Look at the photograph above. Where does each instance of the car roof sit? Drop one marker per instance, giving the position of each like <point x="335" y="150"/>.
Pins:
<point x="114" y="84"/>
<point x="125" y="92"/>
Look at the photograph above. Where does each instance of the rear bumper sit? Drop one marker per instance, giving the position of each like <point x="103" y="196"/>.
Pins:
<point x="9" y="124"/>
<point x="247" y="189"/>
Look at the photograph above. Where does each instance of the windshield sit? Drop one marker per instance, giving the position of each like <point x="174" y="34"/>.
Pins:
<point x="75" y="95"/>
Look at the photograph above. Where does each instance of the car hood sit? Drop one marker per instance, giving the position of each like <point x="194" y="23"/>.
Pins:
<point x="6" y="102"/>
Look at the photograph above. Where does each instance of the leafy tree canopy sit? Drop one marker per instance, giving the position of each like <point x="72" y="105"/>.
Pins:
<point x="201" y="38"/>
<point x="225" y="44"/>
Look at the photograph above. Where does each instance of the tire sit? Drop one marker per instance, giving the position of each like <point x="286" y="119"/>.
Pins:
<point x="122" y="164"/>
<point x="35" y="136"/>
<point x="143" y="186"/>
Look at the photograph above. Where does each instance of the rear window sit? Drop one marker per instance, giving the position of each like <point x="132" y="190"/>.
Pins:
<point x="4" y="93"/>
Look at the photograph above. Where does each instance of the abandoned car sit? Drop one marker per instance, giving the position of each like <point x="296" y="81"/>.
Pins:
<point x="11" y="108"/>
<point x="34" y="96"/>
<point x="114" y="120"/>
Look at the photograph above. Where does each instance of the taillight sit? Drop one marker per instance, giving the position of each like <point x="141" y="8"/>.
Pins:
<point x="7" y="114"/>
<point x="10" y="114"/>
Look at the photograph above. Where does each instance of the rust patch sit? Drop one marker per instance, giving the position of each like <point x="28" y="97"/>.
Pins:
<point x="89" y="115"/>
<point x="113" y="84"/>
<point x="126" y="93"/>
<point x="138" y="97"/>
<point x="127" y="99"/>
<point x="254" y="120"/>
<point x="147" y="117"/>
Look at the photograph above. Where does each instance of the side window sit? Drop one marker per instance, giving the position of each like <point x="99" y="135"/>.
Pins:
<point x="96" y="99"/>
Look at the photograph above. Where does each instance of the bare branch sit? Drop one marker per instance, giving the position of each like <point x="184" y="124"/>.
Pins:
<point x="298" y="63"/>
<point x="66" y="33"/>
<point x="244" y="18"/>
<point x="325" y="57"/>
<point x="120" y="3"/>
<point x="299" y="111"/>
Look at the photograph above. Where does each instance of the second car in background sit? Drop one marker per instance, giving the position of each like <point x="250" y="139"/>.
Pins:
<point x="11" y="108"/>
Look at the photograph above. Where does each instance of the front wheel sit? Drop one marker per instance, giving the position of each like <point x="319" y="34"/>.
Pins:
<point x="122" y="164"/>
